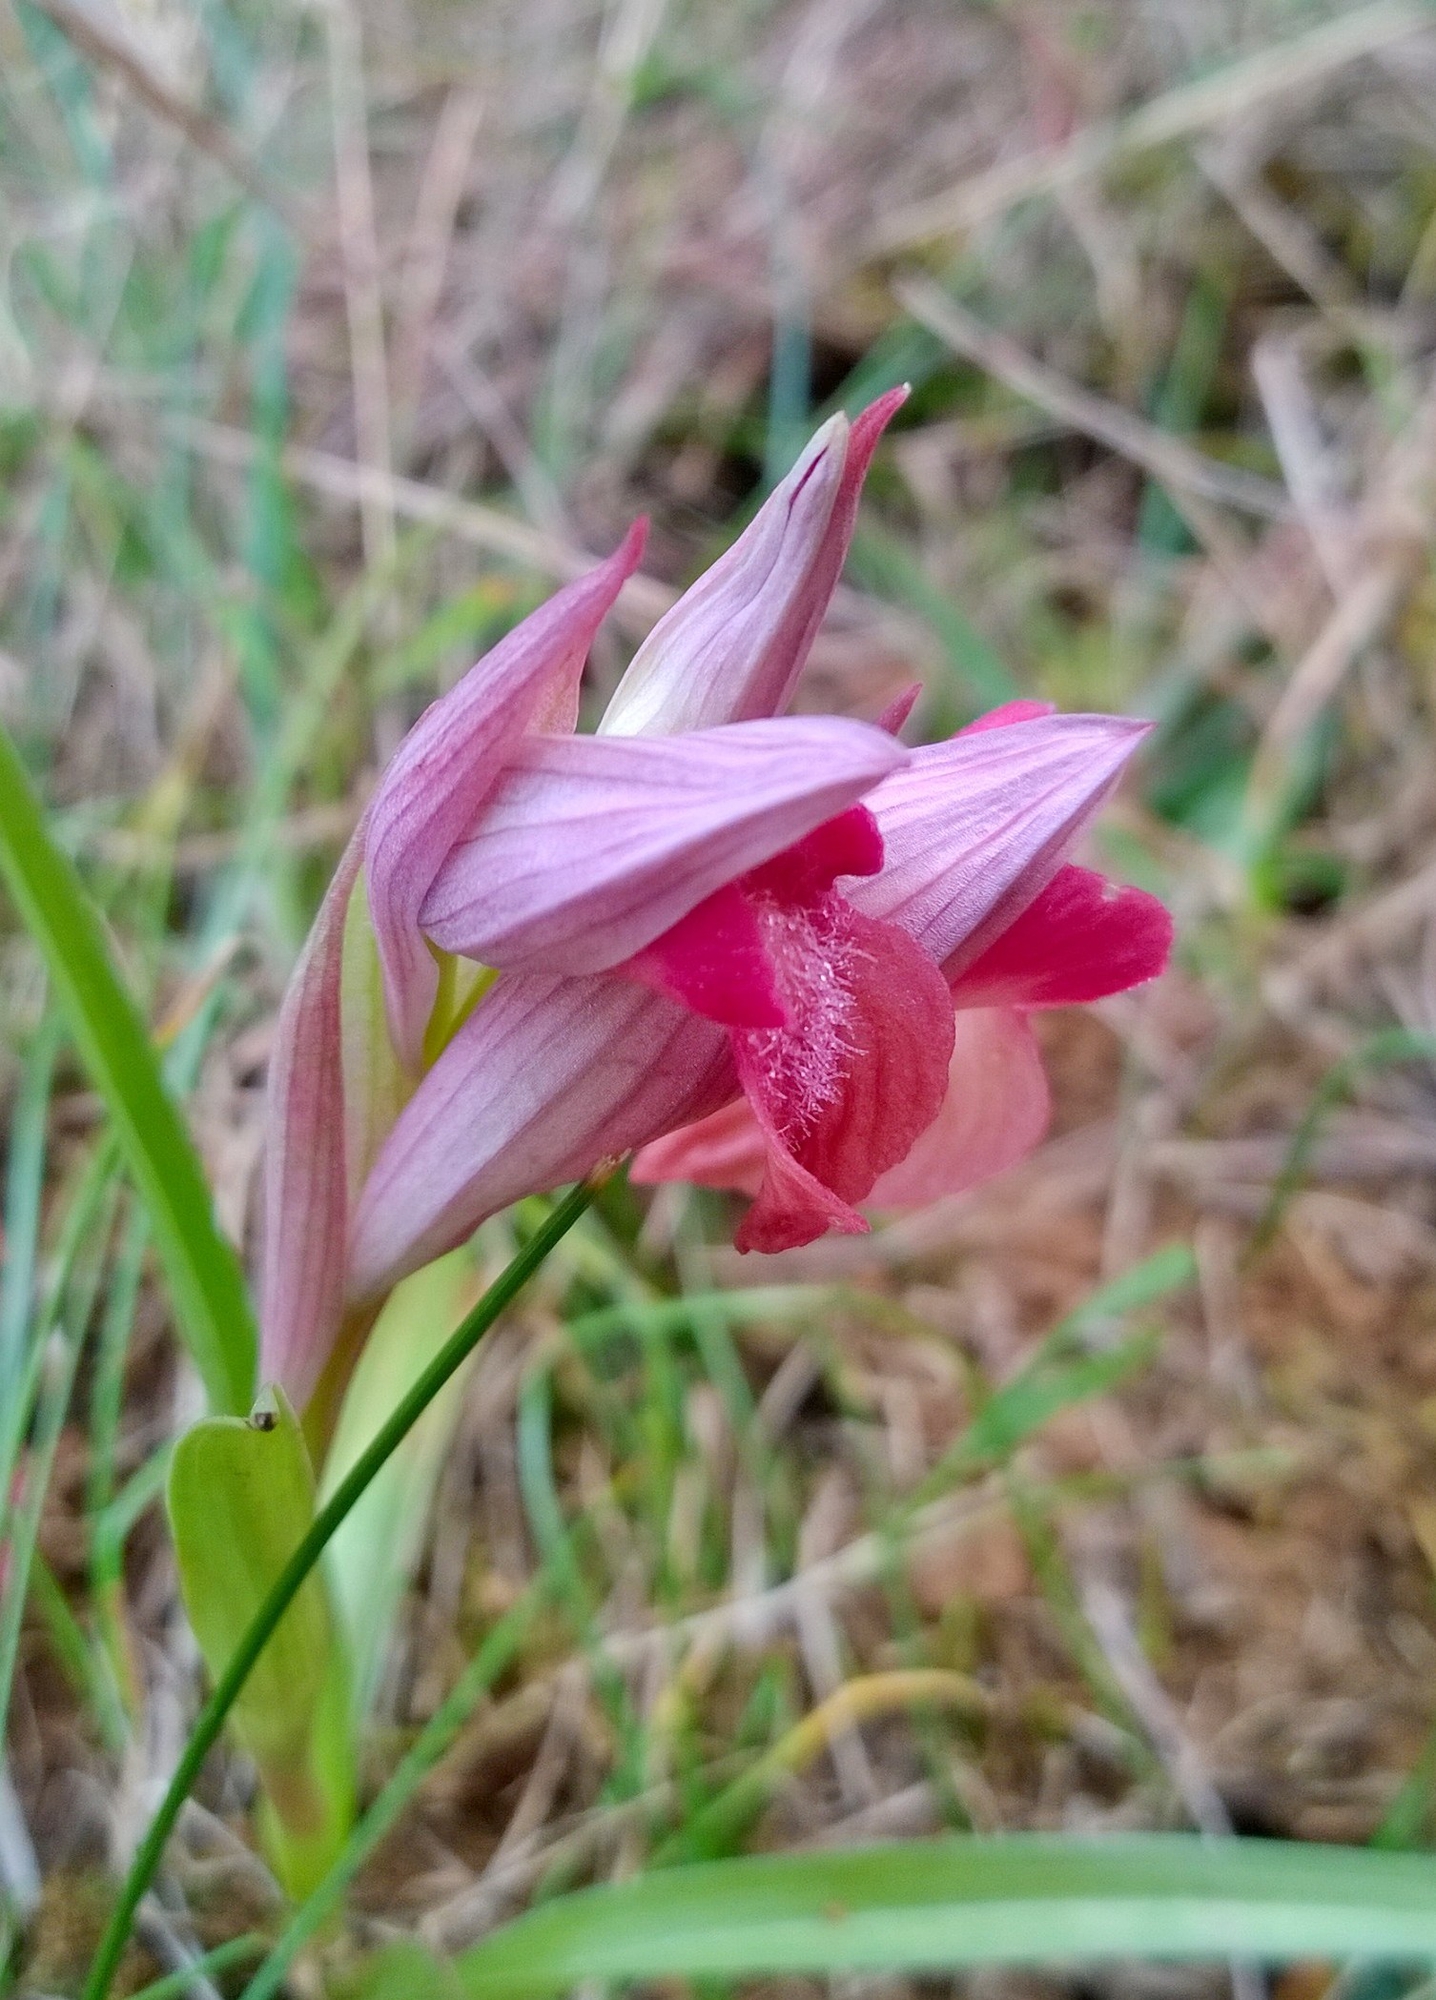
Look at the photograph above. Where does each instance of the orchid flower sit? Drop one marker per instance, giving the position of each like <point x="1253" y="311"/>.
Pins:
<point x="779" y="953"/>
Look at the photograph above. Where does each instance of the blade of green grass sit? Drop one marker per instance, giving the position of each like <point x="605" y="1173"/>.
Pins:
<point x="25" y="1173"/>
<point x="80" y="1259"/>
<point x="85" y="1663"/>
<point x="1061" y="1373"/>
<point x="1386" y="1046"/>
<point x="962" y="1901"/>
<point x="201" y="1268"/>
<point x="185" y="1979"/>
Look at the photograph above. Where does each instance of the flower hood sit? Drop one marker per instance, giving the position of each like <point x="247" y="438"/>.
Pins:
<point x="784" y="954"/>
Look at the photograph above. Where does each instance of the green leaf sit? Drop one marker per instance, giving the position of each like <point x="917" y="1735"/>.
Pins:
<point x="1165" y="1270"/>
<point x="496" y="1654"/>
<point x="201" y="1267"/>
<point x="1040" y="1393"/>
<point x="1018" y="1899"/>
<point x="401" y="1971"/>
<point x="298" y="1570"/>
<point x="241" y="1498"/>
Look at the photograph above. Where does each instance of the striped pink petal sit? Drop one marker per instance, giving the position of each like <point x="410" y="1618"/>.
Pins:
<point x="545" y="1079"/>
<point x="592" y="847"/>
<point x="306" y="1200"/>
<point x="448" y="764"/>
<point x="733" y="646"/>
<point x="976" y="827"/>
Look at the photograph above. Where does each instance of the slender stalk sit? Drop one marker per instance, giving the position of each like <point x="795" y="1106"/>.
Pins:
<point x="212" y="1716"/>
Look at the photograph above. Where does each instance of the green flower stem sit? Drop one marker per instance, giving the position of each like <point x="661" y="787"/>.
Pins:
<point x="212" y="1716"/>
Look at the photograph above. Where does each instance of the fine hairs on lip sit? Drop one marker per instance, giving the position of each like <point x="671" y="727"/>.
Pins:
<point x="812" y="949"/>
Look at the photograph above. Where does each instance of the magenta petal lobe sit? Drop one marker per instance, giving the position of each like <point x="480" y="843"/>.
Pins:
<point x="1080" y="939"/>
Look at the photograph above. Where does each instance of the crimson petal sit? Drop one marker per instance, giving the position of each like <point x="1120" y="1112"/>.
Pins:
<point x="827" y="1147"/>
<point x="1082" y="938"/>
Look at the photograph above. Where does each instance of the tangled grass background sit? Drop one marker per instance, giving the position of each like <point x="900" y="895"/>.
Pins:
<point x="329" y="338"/>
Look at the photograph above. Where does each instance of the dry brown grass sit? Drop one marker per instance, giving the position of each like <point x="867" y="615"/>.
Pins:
<point x="1173" y="446"/>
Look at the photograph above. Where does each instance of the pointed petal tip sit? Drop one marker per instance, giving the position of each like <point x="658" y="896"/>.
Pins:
<point x="1095" y="748"/>
<point x="873" y="420"/>
<point x="895" y="714"/>
<point x="819" y="467"/>
<point x="629" y="553"/>
<point x="836" y="426"/>
<point x="888" y="404"/>
<point x="1121" y="734"/>
<point x="1110" y="738"/>
<point x="975" y="827"/>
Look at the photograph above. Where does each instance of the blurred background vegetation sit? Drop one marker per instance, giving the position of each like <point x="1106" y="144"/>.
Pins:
<point x="330" y="338"/>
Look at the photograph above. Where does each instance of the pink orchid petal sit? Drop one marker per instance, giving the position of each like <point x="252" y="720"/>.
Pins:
<point x="726" y="1149"/>
<point x="545" y="1079"/>
<point x="996" y="1110"/>
<point x="976" y="827"/>
<point x="1081" y="938"/>
<point x="306" y="1200"/>
<point x="375" y="1082"/>
<point x="1008" y="713"/>
<point x="898" y="710"/>
<point x="591" y="847"/>
<point x="734" y="645"/>
<point x="449" y="762"/>
<point x="833" y="1127"/>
